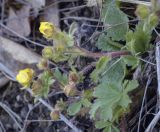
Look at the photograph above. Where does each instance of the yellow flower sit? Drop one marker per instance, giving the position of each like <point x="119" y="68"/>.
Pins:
<point x="47" y="29"/>
<point x="25" y="76"/>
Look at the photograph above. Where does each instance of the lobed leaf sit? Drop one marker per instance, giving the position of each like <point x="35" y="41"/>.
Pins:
<point x="100" y="67"/>
<point x="117" y="20"/>
<point x="61" y="77"/>
<point x="106" y="44"/>
<point x="74" y="108"/>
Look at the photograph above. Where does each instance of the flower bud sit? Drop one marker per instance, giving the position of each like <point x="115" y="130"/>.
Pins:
<point x="43" y="64"/>
<point x="55" y="115"/>
<point x="70" y="89"/>
<point x="142" y="11"/>
<point x="47" y="52"/>
<point x="37" y="87"/>
<point x="73" y="77"/>
<point x="60" y="105"/>
<point x="153" y="20"/>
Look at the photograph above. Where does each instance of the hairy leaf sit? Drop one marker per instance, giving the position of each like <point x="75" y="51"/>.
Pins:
<point x="112" y="93"/>
<point x="108" y="126"/>
<point x="130" y="85"/>
<point x="74" y="108"/>
<point x="107" y="96"/>
<point x="111" y="129"/>
<point x="102" y="124"/>
<point x="110" y="97"/>
<point x="138" y="41"/>
<point x="86" y="102"/>
<point x="131" y="61"/>
<point x="127" y="86"/>
<point x="114" y="72"/>
<point x="118" y="21"/>
<point x="47" y="81"/>
<point x="106" y="44"/>
<point x="41" y="86"/>
<point x="62" y="78"/>
<point x="100" y="67"/>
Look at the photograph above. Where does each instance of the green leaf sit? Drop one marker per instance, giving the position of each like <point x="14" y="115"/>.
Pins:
<point x="127" y="86"/>
<point x="115" y="129"/>
<point x="100" y="66"/>
<point x="106" y="44"/>
<point x="107" y="96"/>
<point x="106" y="112"/>
<point x="131" y="61"/>
<point x="73" y="28"/>
<point x="125" y="100"/>
<point x="108" y="126"/>
<point x="41" y="86"/>
<point x="138" y="41"/>
<point x="142" y="11"/>
<point x="86" y="102"/>
<point x="108" y="129"/>
<point x="118" y="112"/>
<point x="131" y="85"/>
<point x="112" y="92"/>
<point x="102" y="62"/>
<point x="114" y="72"/>
<point x="74" y="108"/>
<point x="87" y="94"/>
<point x="94" y="108"/>
<point x="118" y="21"/>
<point x="102" y="124"/>
<point x="47" y="81"/>
<point x="61" y="77"/>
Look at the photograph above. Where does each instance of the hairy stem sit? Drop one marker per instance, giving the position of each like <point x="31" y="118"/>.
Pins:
<point x="87" y="53"/>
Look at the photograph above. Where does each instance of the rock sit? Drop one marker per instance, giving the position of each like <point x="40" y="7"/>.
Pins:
<point x="18" y="20"/>
<point x="51" y="13"/>
<point x="3" y="80"/>
<point x="14" y="57"/>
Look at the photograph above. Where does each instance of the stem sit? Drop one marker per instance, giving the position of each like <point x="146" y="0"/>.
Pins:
<point x="62" y="117"/>
<point x="84" y="52"/>
<point x="123" y="123"/>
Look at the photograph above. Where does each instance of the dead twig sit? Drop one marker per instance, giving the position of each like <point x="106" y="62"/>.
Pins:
<point x="5" y="27"/>
<point x="41" y="121"/>
<point x="137" y="2"/>
<point x="27" y="116"/>
<point x="62" y="117"/>
<point x="158" y="68"/>
<point x="2" y="129"/>
<point x="13" y="115"/>
<point x="81" y="19"/>
<point x="157" y="116"/>
<point x="143" y="101"/>
<point x="153" y="122"/>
